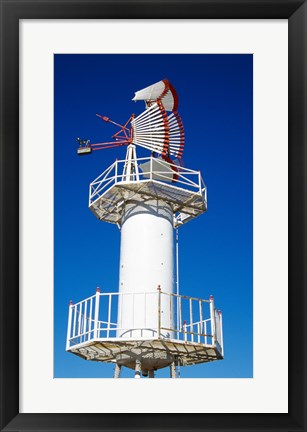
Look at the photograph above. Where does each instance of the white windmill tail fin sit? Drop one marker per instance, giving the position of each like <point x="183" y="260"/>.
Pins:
<point x="152" y="92"/>
<point x="163" y="91"/>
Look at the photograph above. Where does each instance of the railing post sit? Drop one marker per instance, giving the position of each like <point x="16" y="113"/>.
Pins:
<point x="185" y="330"/>
<point x="200" y="320"/>
<point x="116" y="162"/>
<point x="212" y="317"/>
<point x="90" y="195"/>
<point x="90" y="320"/>
<point x="221" y="330"/>
<point x="150" y="167"/>
<point x="69" y="325"/>
<point x="109" y="315"/>
<point x="159" y="311"/>
<point x="96" y="312"/>
<point x="180" y="316"/>
<point x="191" y="320"/>
<point x="84" y="321"/>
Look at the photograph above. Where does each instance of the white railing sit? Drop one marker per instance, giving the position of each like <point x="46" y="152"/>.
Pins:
<point x="192" y="320"/>
<point x="147" y="169"/>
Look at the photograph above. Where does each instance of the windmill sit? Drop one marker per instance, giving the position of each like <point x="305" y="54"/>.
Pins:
<point x="147" y="326"/>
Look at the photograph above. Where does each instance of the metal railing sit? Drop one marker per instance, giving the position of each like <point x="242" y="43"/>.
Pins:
<point x="147" y="169"/>
<point x="174" y="317"/>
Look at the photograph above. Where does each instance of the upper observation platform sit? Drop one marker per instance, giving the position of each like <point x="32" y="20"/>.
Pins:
<point x="142" y="179"/>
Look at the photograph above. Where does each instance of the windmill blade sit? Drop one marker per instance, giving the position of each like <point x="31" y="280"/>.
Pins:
<point x="176" y="135"/>
<point x="163" y="91"/>
<point x="150" y="129"/>
<point x="156" y="131"/>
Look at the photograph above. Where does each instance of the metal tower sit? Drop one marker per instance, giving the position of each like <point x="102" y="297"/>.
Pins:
<point x="146" y="326"/>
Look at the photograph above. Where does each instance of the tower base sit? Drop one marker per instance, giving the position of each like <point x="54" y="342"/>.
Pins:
<point x="196" y="338"/>
<point x="149" y="358"/>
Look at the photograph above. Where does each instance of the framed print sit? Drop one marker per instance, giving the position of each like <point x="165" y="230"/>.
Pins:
<point x="228" y="90"/>
<point x="144" y="249"/>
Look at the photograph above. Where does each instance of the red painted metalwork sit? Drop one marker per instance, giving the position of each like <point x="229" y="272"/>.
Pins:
<point x="176" y="114"/>
<point x="124" y="136"/>
<point x="165" y="120"/>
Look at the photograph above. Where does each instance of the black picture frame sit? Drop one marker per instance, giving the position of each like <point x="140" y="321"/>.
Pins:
<point x="11" y="13"/>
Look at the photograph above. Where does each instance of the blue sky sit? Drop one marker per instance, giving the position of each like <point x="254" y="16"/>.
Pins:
<point x="216" y="106"/>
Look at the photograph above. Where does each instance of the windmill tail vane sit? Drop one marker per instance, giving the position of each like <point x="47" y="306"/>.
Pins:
<point x="158" y="129"/>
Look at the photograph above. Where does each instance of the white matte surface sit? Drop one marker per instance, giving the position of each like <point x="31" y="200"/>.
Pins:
<point x="268" y="41"/>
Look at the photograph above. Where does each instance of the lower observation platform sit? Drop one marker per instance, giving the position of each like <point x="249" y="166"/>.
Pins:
<point x="155" y="350"/>
<point x="93" y="332"/>
<point x="148" y="178"/>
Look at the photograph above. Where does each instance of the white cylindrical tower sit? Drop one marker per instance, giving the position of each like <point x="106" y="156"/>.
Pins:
<point x="146" y="263"/>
